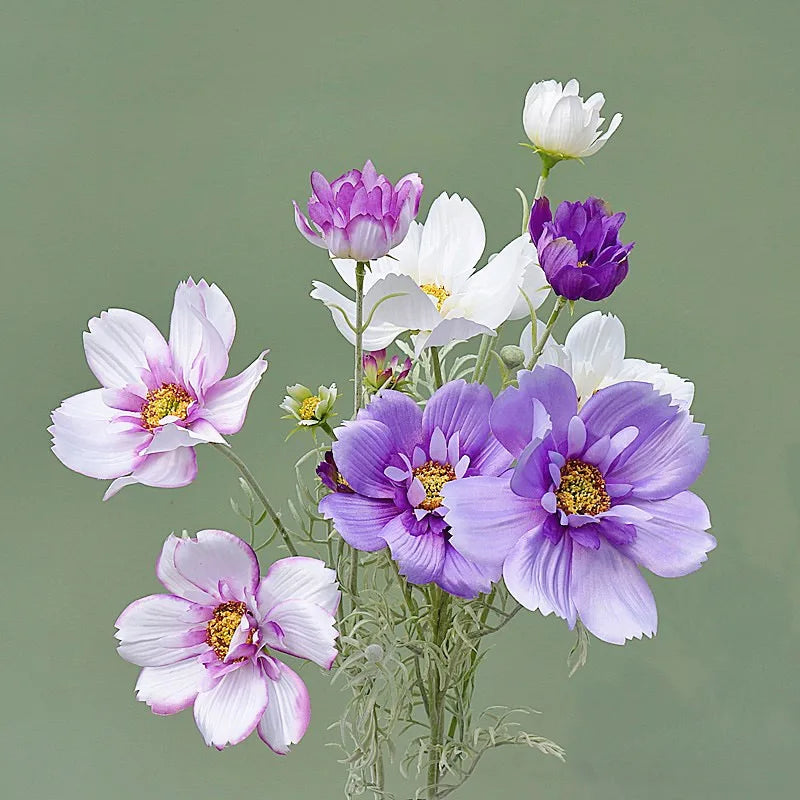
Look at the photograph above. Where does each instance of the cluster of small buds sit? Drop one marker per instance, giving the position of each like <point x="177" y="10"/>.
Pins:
<point x="309" y="409"/>
<point x="380" y="373"/>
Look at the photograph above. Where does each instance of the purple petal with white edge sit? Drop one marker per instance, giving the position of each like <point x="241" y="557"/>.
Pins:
<point x="362" y="450"/>
<point x="160" y="470"/>
<point x="155" y="630"/>
<point x="400" y="414"/>
<point x="225" y="403"/>
<point x="118" y="345"/>
<point x="229" y="713"/>
<point x="170" y="688"/>
<point x="359" y="520"/>
<point x="172" y="580"/>
<point x="419" y="558"/>
<point x="214" y="557"/>
<point x="462" y="409"/>
<point x="217" y="309"/>
<point x="288" y="712"/>
<point x="464" y="578"/>
<point x="537" y="573"/>
<point x="487" y="519"/>
<point x="299" y="578"/>
<point x="303" y="225"/>
<point x="667" y="462"/>
<point x="88" y="439"/>
<point x="367" y="239"/>
<point x="199" y="354"/>
<point x="612" y="598"/>
<point x="673" y="542"/>
<point x="306" y="630"/>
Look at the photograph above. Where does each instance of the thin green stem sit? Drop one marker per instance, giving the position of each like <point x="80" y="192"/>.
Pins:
<point x="557" y="309"/>
<point x="483" y="350"/>
<point x="437" y="367"/>
<point x="436" y="697"/>
<point x="542" y="181"/>
<point x="258" y="491"/>
<point x="358" y="366"/>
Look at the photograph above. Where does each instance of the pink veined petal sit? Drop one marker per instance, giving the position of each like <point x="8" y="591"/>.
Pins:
<point x="118" y="345"/>
<point x="225" y="404"/>
<point x="158" y="630"/>
<point x="304" y="629"/>
<point x="228" y="713"/>
<point x="170" y="688"/>
<point x="299" y="578"/>
<point x="161" y="470"/>
<point x="214" y="557"/>
<point x="218" y="309"/>
<point x="199" y="354"/>
<point x="288" y="712"/>
<point x="88" y="439"/>
<point x="612" y="598"/>
<point x="173" y="581"/>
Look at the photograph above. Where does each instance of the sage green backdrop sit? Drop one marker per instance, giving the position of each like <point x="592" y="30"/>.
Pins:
<point x="144" y="141"/>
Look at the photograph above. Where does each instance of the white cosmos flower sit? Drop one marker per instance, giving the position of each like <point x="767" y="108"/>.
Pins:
<point x="593" y="354"/>
<point x="560" y="123"/>
<point x="442" y="295"/>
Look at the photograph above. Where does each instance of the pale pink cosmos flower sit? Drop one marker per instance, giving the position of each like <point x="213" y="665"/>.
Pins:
<point x="159" y="399"/>
<point x="210" y="641"/>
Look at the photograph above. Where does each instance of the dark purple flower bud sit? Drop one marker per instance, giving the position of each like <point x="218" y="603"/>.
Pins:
<point x="580" y="250"/>
<point x="382" y="374"/>
<point x="329" y="474"/>
<point x="360" y="215"/>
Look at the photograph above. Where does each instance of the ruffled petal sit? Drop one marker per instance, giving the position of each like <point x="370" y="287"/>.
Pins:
<point x="173" y="580"/>
<point x="359" y="520"/>
<point x="225" y="403"/>
<point x="170" y="688"/>
<point x="118" y="346"/>
<point x="596" y="344"/>
<point x="302" y="629"/>
<point x="612" y="598"/>
<point x="228" y="713"/>
<point x="634" y="369"/>
<point x="299" y="578"/>
<point x="288" y="712"/>
<point x="217" y="308"/>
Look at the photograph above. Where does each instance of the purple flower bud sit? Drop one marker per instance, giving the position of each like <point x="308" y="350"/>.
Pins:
<point x="382" y="374"/>
<point x="580" y="250"/>
<point x="329" y="474"/>
<point x="360" y="215"/>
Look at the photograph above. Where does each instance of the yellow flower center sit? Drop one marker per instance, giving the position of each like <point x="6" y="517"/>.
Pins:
<point x="308" y="407"/>
<point x="223" y="625"/>
<point x="437" y="292"/>
<point x="433" y="475"/>
<point x="169" y="400"/>
<point x="582" y="489"/>
<point x="582" y="264"/>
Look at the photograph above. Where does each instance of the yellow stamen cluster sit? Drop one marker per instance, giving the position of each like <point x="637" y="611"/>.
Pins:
<point x="169" y="400"/>
<point x="582" y="490"/>
<point x="433" y="475"/>
<point x="308" y="407"/>
<point x="223" y="625"/>
<point x="582" y="264"/>
<point x="437" y="292"/>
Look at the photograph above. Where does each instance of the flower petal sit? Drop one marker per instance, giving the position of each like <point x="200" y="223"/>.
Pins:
<point x="160" y="470"/>
<point x="634" y="369"/>
<point x="288" y="712"/>
<point x="225" y="403"/>
<point x="359" y="520"/>
<point x="118" y="345"/>
<point x="228" y="713"/>
<point x="170" y="688"/>
<point x="174" y="581"/>
<point x="217" y="309"/>
<point x="596" y="344"/>
<point x="299" y="578"/>
<point x="302" y="629"/>
<point x="419" y="558"/>
<point x="215" y="557"/>
<point x="362" y="451"/>
<point x="305" y="228"/>
<point x="612" y="598"/>
<point x="464" y="578"/>
<point x="401" y="415"/>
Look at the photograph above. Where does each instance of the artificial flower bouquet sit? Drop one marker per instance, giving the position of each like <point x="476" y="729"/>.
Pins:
<point x="426" y="522"/>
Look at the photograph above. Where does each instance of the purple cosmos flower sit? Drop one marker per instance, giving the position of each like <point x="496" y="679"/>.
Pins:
<point x="580" y="250"/>
<point x="396" y="459"/>
<point x="380" y="373"/>
<point x="158" y="399"/>
<point x="594" y="495"/>
<point x="209" y="642"/>
<point x="361" y="215"/>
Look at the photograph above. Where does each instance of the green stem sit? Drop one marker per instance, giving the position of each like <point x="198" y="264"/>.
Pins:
<point x="436" y="697"/>
<point x="258" y="491"/>
<point x="483" y="350"/>
<point x="542" y="181"/>
<point x="437" y="367"/>
<point x="557" y="309"/>
<point x="358" y="367"/>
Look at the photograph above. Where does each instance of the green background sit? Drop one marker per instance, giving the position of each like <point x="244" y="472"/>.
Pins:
<point x="144" y="141"/>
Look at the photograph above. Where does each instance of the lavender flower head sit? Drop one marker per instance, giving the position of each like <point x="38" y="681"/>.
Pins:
<point x="580" y="250"/>
<point x="360" y="215"/>
<point x="394" y="459"/>
<point x="595" y="494"/>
